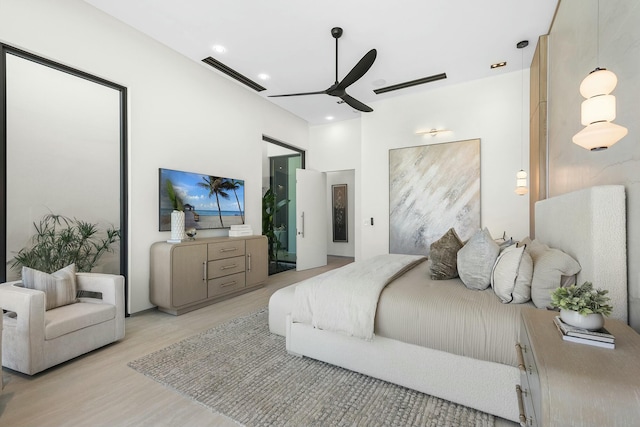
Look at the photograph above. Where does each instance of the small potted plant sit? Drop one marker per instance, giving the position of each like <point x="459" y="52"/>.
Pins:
<point x="582" y="306"/>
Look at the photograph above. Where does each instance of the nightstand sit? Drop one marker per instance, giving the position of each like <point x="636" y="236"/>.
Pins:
<point x="569" y="384"/>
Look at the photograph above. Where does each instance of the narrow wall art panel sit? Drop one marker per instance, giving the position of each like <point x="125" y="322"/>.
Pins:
<point x="431" y="189"/>
<point x="339" y="212"/>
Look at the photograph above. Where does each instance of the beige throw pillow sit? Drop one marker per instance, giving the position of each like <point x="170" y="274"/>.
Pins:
<point x="443" y="255"/>
<point x="512" y="274"/>
<point x="552" y="268"/>
<point x="59" y="287"/>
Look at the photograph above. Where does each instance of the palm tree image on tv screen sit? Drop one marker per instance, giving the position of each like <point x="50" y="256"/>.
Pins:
<point x="208" y="201"/>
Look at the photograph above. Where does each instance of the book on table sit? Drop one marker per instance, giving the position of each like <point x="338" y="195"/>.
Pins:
<point x="599" y="338"/>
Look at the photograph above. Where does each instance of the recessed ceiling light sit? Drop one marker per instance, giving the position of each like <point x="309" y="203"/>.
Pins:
<point x="329" y="117"/>
<point x="263" y="76"/>
<point x="218" y="48"/>
<point x="379" y="82"/>
<point x="498" y="64"/>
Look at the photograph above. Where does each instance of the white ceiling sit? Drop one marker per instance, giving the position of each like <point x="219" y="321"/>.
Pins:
<point x="290" y="40"/>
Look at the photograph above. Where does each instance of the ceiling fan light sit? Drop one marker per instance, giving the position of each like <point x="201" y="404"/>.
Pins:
<point x="599" y="82"/>
<point x="598" y="109"/>
<point x="599" y="136"/>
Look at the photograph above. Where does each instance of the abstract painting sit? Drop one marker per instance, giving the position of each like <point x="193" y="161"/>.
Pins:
<point x="431" y="189"/>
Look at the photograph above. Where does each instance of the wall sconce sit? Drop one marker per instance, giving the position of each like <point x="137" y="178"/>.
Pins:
<point x="597" y="112"/>
<point x="432" y="132"/>
<point x="599" y="109"/>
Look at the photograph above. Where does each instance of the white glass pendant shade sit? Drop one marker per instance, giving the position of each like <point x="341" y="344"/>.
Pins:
<point x="598" y="111"/>
<point x="521" y="183"/>
<point x="599" y="136"/>
<point x="599" y="82"/>
<point x="599" y="108"/>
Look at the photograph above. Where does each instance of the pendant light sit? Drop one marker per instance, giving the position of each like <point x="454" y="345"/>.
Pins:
<point x="521" y="176"/>
<point x="599" y="109"/>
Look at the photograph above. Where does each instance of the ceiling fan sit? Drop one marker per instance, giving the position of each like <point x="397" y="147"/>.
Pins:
<point x="339" y="88"/>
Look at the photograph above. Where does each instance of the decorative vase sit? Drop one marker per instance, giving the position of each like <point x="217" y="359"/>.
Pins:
<point x="177" y="226"/>
<point x="591" y="322"/>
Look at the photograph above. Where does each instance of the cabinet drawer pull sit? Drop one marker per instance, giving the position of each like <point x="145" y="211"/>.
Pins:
<point x="248" y="262"/>
<point x="226" y="267"/>
<point x="228" y="249"/>
<point x="204" y="272"/>
<point x="519" y="351"/>
<point x="524" y="421"/>
<point x="224" y="285"/>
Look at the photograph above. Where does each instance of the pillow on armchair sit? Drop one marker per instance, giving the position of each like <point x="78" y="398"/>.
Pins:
<point x="59" y="287"/>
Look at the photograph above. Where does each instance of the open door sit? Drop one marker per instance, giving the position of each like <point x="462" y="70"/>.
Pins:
<point x="311" y="219"/>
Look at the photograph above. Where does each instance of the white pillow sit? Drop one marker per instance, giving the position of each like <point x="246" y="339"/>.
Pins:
<point x="512" y="274"/>
<point x="552" y="268"/>
<point x="476" y="260"/>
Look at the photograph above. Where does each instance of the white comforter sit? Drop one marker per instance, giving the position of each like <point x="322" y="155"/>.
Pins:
<point x="345" y="300"/>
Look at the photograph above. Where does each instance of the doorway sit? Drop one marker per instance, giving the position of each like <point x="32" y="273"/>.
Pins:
<point x="279" y="202"/>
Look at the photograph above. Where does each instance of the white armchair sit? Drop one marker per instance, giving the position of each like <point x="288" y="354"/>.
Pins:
<point x="34" y="339"/>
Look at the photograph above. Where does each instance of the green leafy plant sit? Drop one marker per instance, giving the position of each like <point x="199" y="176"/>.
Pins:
<point x="60" y="241"/>
<point x="176" y="201"/>
<point x="583" y="299"/>
<point x="269" y="210"/>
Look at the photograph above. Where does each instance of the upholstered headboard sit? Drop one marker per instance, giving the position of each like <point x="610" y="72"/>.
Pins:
<point x="590" y="225"/>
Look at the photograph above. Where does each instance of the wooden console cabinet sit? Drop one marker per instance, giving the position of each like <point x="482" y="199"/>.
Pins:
<point x="188" y="275"/>
<point x="570" y="384"/>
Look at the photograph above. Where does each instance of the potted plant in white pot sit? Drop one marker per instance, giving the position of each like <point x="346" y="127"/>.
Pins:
<point x="582" y="306"/>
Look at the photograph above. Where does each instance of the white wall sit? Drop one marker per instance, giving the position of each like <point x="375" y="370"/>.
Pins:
<point x="572" y="55"/>
<point x="336" y="147"/>
<point x="491" y="109"/>
<point x="182" y="115"/>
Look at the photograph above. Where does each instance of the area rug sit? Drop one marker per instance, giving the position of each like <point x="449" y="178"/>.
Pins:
<point x="241" y="370"/>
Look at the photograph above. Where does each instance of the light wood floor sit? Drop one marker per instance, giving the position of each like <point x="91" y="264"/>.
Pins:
<point x="99" y="389"/>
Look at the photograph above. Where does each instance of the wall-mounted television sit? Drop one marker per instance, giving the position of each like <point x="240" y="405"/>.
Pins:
<point x="208" y="201"/>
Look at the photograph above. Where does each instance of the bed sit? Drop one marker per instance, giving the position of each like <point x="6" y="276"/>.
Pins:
<point x="426" y="354"/>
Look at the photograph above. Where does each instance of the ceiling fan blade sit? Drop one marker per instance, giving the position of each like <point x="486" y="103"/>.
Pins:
<point x="356" y="104"/>
<point x="359" y="70"/>
<point x="299" y="94"/>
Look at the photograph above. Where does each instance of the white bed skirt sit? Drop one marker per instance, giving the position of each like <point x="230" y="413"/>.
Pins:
<point x="485" y="386"/>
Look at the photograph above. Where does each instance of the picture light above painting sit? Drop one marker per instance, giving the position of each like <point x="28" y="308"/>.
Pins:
<point x="208" y="201"/>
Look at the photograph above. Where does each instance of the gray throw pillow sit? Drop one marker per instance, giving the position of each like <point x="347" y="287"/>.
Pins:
<point x="476" y="260"/>
<point x="59" y="287"/>
<point x="443" y="255"/>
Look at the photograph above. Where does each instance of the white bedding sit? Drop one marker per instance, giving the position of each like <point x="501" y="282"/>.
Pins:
<point x="348" y="305"/>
